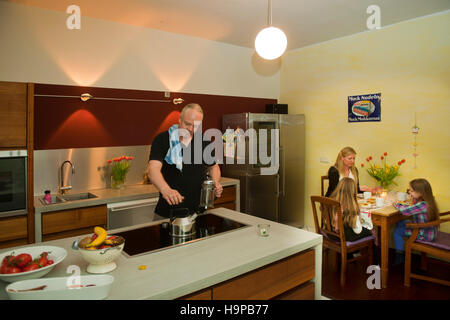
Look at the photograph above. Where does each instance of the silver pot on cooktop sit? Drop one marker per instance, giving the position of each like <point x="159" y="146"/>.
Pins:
<point x="182" y="223"/>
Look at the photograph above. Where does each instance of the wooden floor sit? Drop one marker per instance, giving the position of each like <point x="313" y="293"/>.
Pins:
<point x="356" y="287"/>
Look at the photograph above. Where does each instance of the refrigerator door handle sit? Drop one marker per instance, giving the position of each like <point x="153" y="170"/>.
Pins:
<point x="278" y="186"/>
<point x="283" y="176"/>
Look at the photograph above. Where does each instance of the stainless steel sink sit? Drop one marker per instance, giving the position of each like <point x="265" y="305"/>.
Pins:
<point x="55" y="199"/>
<point x="78" y="196"/>
<point x="69" y="197"/>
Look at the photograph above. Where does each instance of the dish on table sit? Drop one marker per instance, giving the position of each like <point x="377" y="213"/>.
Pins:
<point x="86" y="287"/>
<point x="367" y="203"/>
<point x="56" y="254"/>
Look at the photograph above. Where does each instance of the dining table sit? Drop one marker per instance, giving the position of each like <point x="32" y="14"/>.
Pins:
<point x="383" y="218"/>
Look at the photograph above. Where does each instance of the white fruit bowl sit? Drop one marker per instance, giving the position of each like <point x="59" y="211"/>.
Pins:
<point x="56" y="254"/>
<point x="102" y="260"/>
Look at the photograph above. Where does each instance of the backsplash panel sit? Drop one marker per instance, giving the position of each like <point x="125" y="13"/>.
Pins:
<point x="67" y="122"/>
<point x="91" y="167"/>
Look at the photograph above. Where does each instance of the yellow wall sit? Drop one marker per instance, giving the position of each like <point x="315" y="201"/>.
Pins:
<point x="409" y="63"/>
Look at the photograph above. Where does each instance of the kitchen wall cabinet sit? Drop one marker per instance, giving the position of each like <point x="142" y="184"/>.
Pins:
<point x="228" y="198"/>
<point x="287" y="279"/>
<point x="16" y="132"/>
<point x="13" y="231"/>
<point x="13" y="115"/>
<point x="72" y="222"/>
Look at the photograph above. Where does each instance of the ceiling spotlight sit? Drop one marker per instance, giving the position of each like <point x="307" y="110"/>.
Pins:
<point x="271" y="42"/>
<point x="85" y="97"/>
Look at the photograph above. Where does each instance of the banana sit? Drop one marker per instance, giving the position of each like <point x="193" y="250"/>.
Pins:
<point x="101" y="237"/>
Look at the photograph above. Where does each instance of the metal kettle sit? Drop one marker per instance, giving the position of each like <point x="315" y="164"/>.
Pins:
<point x="182" y="224"/>
<point x="207" y="196"/>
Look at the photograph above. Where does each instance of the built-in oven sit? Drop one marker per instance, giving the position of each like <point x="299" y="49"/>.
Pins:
<point x="13" y="182"/>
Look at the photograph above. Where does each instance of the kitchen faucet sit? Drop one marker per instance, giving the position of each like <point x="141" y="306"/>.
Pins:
<point x="62" y="188"/>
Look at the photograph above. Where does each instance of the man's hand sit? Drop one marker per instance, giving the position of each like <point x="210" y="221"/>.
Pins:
<point x="172" y="196"/>
<point x="218" y="190"/>
<point x="214" y="172"/>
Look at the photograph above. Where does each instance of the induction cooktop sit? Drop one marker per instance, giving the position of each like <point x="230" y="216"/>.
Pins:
<point x="156" y="237"/>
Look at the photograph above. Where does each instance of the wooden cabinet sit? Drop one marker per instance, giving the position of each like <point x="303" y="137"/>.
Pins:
<point x="13" y="115"/>
<point x="228" y="198"/>
<point x="270" y="281"/>
<point x="13" y="231"/>
<point x="303" y="292"/>
<point x="205" y="294"/>
<point x="72" y="222"/>
<point x="16" y="132"/>
<point x="287" y="279"/>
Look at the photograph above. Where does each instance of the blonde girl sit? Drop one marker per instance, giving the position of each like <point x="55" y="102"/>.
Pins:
<point x="345" y="193"/>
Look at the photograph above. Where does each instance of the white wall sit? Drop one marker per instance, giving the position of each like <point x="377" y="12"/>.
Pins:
<point x="38" y="47"/>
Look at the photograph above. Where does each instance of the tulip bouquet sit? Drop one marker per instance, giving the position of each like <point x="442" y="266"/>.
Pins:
<point x="384" y="173"/>
<point x="119" y="169"/>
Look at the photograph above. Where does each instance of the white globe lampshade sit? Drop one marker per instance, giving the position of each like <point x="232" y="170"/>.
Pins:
<point x="270" y="43"/>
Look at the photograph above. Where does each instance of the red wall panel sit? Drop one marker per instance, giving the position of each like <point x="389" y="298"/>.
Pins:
<point x="65" y="122"/>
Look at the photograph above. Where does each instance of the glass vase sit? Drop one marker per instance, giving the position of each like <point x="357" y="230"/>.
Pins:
<point x="383" y="188"/>
<point x="117" y="183"/>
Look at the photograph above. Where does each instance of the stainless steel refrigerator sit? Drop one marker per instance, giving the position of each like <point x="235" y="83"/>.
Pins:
<point x="278" y="196"/>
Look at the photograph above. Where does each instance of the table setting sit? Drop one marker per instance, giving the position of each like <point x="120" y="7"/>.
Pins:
<point x="369" y="203"/>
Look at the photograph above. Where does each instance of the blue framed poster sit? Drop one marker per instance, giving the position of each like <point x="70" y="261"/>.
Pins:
<point x="364" y="108"/>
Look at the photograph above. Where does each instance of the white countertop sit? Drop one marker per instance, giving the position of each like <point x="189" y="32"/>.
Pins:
<point x="181" y="270"/>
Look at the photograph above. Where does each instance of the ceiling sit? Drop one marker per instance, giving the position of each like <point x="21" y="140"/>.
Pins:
<point x="237" y="22"/>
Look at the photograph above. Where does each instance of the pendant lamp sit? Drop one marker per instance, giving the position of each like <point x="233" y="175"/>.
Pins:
<point x="271" y="42"/>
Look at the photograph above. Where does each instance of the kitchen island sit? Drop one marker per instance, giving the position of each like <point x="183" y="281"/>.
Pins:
<point x="179" y="271"/>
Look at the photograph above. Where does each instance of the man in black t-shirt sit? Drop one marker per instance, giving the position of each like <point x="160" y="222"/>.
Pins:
<point x="179" y="184"/>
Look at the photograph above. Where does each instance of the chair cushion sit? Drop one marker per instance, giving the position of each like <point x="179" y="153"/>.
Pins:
<point x="442" y="241"/>
<point x="352" y="243"/>
<point x="348" y="243"/>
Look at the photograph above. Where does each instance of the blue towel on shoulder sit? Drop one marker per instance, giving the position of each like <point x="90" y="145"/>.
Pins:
<point x="174" y="155"/>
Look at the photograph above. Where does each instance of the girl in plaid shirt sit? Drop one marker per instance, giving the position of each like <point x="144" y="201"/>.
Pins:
<point x="423" y="209"/>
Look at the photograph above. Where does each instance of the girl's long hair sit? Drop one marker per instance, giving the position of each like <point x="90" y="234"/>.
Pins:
<point x="339" y="164"/>
<point x="345" y="193"/>
<point x="423" y="187"/>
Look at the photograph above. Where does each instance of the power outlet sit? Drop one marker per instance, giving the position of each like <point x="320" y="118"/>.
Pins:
<point x="166" y="94"/>
<point x="324" y="160"/>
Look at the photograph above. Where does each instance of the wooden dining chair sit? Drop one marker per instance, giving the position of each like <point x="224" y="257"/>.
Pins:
<point x="322" y="185"/>
<point x="439" y="248"/>
<point x="335" y="240"/>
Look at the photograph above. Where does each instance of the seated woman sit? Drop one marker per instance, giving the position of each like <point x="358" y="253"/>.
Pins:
<point x="345" y="167"/>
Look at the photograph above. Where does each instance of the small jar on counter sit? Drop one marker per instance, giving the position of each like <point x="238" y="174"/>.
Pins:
<point x="47" y="197"/>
